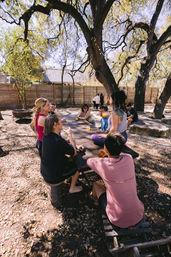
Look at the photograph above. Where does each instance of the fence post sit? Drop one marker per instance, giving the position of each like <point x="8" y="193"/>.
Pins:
<point x="54" y="93"/>
<point x="83" y="94"/>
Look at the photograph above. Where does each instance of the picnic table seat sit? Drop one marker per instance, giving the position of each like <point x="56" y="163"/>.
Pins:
<point x="134" y="241"/>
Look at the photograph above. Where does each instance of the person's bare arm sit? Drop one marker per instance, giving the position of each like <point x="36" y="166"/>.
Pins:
<point x="71" y="140"/>
<point x="131" y="116"/>
<point x="79" y="116"/>
<point x="114" y="122"/>
<point x="41" y="121"/>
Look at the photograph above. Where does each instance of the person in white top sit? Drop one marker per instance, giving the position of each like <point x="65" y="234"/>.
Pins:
<point x="96" y="101"/>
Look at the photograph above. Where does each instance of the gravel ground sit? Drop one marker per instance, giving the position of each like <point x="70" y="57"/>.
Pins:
<point x="30" y="226"/>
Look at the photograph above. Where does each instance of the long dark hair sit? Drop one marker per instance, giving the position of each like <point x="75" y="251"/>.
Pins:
<point x="119" y="98"/>
<point x="84" y="106"/>
<point x="49" y="122"/>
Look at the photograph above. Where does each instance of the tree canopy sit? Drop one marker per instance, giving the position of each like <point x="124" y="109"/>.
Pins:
<point x="22" y="63"/>
<point x="100" y="28"/>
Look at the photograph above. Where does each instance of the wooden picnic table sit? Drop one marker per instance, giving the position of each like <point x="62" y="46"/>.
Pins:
<point x="82" y="134"/>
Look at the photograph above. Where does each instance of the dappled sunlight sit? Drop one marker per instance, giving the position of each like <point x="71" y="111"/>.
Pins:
<point x="27" y="214"/>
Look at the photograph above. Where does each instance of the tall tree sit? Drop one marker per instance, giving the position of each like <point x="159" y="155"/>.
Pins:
<point x="91" y="16"/>
<point x="163" y="99"/>
<point x="153" y="44"/>
<point x="21" y="63"/>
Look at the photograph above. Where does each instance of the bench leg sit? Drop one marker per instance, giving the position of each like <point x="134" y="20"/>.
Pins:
<point x="56" y="195"/>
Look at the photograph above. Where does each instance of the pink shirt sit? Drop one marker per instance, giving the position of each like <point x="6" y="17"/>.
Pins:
<point x="39" y="129"/>
<point x="123" y="208"/>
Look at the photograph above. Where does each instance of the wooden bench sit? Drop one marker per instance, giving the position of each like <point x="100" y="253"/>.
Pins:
<point x="130" y="242"/>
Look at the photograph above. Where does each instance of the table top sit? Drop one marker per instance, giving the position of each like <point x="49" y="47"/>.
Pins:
<point x="82" y="134"/>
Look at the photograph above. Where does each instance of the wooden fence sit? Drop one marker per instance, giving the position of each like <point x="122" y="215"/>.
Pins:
<point x="66" y="95"/>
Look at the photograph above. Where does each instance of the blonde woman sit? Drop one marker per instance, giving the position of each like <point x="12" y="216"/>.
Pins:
<point x="41" y="110"/>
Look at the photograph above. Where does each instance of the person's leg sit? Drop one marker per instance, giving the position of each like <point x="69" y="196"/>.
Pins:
<point x="73" y="187"/>
<point x="124" y="134"/>
<point x="97" y="140"/>
<point x="103" y="124"/>
<point x="129" y="121"/>
<point x="106" y="123"/>
<point x="39" y="147"/>
<point x="98" y="189"/>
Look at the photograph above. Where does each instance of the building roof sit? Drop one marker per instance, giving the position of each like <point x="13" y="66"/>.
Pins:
<point x="54" y="76"/>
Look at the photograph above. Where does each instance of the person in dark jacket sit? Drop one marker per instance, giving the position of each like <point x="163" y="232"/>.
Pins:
<point x="57" y="160"/>
<point x="132" y="115"/>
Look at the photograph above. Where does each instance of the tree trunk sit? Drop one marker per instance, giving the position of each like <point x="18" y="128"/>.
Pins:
<point x="140" y="85"/>
<point x="105" y="77"/>
<point x="62" y="83"/>
<point x="163" y="99"/>
<point x="102" y="70"/>
<point x="139" y="97"/>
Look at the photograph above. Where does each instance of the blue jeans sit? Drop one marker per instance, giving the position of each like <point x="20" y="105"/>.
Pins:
<point x="100" y="140"/>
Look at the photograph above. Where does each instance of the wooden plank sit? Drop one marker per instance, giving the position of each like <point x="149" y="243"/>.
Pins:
<point x="128" y="232"/>
<point x="143" y="245"/>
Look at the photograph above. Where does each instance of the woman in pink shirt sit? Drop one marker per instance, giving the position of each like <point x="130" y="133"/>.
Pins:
<point x="41" y="109"/>
<point x="118" y="198"/>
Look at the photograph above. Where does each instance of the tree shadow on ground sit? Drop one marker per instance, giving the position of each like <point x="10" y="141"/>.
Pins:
<point x="23" y="121"/>
<point x="157" y="204"/>
<point x="146" y="165"/>
<point x="80" y="235"/>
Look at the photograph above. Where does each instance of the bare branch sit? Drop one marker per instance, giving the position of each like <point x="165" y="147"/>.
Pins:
<point x="153" y="24"/>
<point x="84" y="10"/>
<point x="85" y="64"/>
<point x="10" y="22"/>
<point x="163" y="38"/>
<point x="128" y="60"/>
<point x="101" y="18"/>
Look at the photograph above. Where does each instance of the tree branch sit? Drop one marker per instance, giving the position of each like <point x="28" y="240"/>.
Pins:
<point x="153" y="24"/>
<point x="128" y="60"/>
<point x="163" y="38"/>
<point x="27" y="15"/>
<point x="102" y="17"/>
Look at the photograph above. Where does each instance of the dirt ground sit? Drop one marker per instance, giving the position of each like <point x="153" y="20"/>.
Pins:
<point x="30" y="226"/>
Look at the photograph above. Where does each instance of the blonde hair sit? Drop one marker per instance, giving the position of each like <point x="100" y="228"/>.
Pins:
<point x="39" y="103"/>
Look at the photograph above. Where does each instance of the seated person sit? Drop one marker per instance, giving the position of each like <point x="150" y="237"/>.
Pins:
<point x="105" y="116"/>
<point x="52" y="108"/>
<point x="85" y="115"/>
<point x="55" y="164"/>
<point x="132" y="115"/>
<point x="118" y="195"/>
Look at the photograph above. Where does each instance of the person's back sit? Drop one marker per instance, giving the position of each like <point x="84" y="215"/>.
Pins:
<point x="123" y="206"/>
<point x="53" y="157"/>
